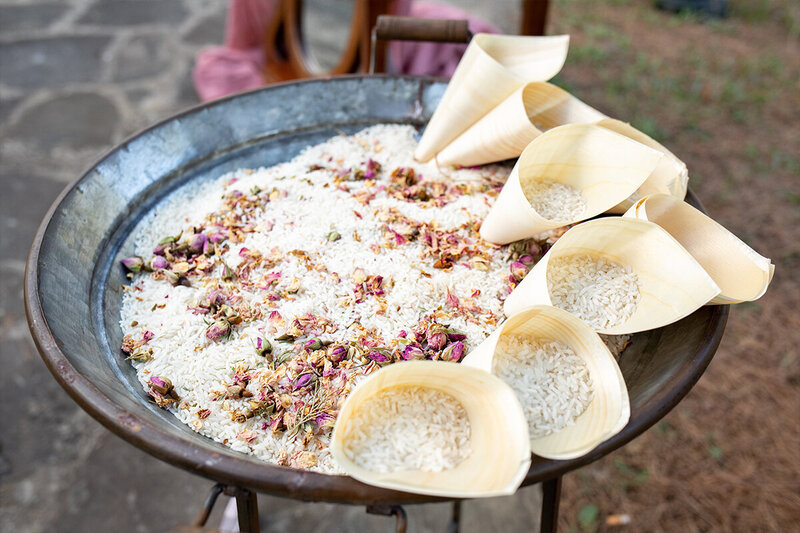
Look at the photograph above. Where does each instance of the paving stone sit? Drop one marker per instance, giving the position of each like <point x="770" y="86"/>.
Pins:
<point x="7" y="106"/>
<point x="208" y="31"/>
<point x="51" y="62"/>
<point x="142" y="57"/>
<point x="136" y="96"/>
<point x="187" y="95"/>
<point x="134" y="12"/>
<point x="31" y="17"/>
<point x="73" y="121"/>
<point x="18" y="226"/>
<point x="145" y="494"/>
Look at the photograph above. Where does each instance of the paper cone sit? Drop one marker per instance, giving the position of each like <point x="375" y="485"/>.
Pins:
<point x="492" y="68"/>
<point x="506" y="130"/>
<point x="500" y="455"/>
<point x="609" y="410"/>
<point x="741" y="273"/>
<point x="672" y="284"/>
<point x="605" y="166"/>
<point x="669" y="177"/>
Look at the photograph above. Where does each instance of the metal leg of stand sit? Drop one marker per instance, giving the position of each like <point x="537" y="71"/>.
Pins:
<point x="205" y="512"/>
<point x="399" y="513"/>
<point x="551" y="495"/>
<point x="247" y="509"/>
<point x="455" y="520"/>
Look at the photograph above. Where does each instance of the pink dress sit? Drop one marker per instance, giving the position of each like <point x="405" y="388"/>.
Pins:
<point x="237" y="66"/>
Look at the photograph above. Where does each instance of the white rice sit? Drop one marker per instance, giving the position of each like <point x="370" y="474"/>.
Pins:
<point x="555" y="201"/>
<point x="200" y="368"/>
<point x="602" y="293"/>
<point x="550" y="380"/>
<point x="409" y="428"/>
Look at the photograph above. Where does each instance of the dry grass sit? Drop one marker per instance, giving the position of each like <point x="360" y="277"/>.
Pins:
<point x="725" y="97"/>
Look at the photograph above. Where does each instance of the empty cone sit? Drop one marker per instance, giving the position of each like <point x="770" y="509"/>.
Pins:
<point x="492" y="68"/>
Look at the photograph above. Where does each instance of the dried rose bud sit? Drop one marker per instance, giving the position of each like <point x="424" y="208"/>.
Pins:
<point x="219" y="329"/>
<point x="208" y="248"/>
<point x="161" y="249"/>
<point x="313" y="344"/>
<point x="227" y="272"/>
<point x="197" y="242"/>
<point x="215" y="298"/>
<point x="413" y="352"/>
<point x="453" y="353"/>
<point x="303" y="380"/>
<point x="158" y="262"/>
<point x="437" y="338"/>
<point x="378" y="357"/>
<point x="133" y="264"/>
<point x="527" y="260"/>
<point x="336" y="354"/>
<point x="263" y="347"/>
<point x="455" y="336"/>
<point x="160" y="385"/>
<point x="217" y="237"/>
<point x="325" y="420"/>
<point x="518" y="270"/>
<point x="170" y="239"/>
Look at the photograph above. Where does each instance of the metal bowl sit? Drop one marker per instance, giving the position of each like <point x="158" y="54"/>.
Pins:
<point x="73" y="282"/>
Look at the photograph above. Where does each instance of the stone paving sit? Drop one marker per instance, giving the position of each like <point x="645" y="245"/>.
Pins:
<point x="77" y="77"/>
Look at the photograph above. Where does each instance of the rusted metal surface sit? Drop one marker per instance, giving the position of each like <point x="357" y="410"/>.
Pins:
<point x="73" y="283"/>
<point x="401" y="520"/>
<point x="208" y="505"/>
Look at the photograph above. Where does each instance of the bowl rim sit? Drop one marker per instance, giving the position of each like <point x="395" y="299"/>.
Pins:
<point x="289" y="482"/>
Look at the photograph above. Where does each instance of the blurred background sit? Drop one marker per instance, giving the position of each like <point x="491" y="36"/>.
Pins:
<point x="78" y="76"/>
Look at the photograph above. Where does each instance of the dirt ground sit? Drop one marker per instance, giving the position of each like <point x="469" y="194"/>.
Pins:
<point x="724" y="96"/>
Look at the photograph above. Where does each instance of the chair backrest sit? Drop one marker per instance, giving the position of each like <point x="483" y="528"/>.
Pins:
<point x="284" y="47"/>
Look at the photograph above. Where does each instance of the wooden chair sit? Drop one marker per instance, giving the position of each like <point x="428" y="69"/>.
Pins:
<point x="285" y="49"/>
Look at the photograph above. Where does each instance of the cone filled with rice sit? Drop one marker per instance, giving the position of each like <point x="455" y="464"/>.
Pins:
<point x="569" y="385"/>
<point x="619" y="275"/>
<point x="433" y="427"/>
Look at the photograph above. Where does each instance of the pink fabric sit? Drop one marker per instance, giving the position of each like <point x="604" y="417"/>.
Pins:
<point x="246" y="22"/>
<point x="220" y="71"/>
<point x="238" y="66"/>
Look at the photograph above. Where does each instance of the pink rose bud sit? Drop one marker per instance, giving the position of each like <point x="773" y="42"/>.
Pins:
<point x="453" y="353"/>
<point x="134" y="263"/>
